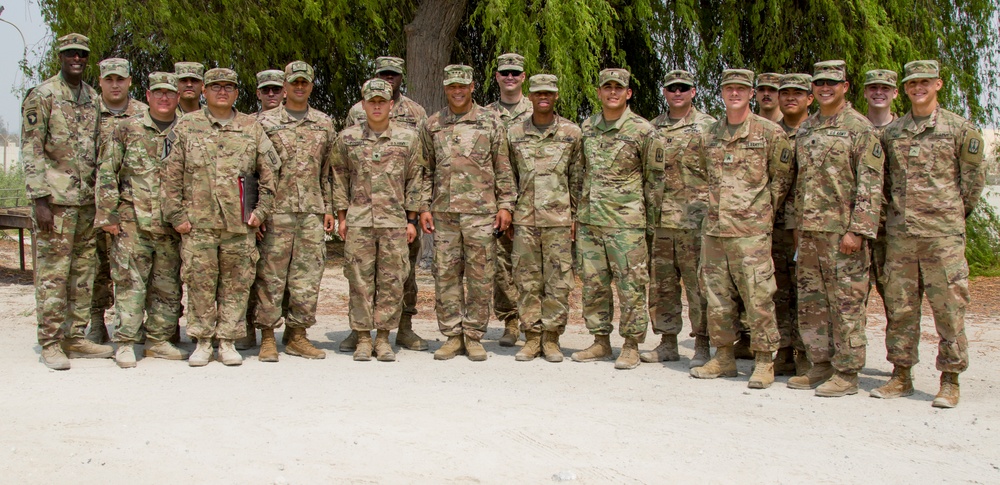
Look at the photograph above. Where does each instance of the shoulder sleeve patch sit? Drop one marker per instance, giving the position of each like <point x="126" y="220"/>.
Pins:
<point x="877" y="150"/>
<point x="786" y="155"/>
<point x="974" y="146"/>
<point x="659" y="155"/>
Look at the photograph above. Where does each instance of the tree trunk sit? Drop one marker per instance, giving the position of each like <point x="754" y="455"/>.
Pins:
<point x="429" y="41"/>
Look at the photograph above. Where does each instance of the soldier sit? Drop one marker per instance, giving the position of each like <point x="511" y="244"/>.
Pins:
<point x="512" y="107"/>
<point x="794" y="97"/>
<point x="115" y="105"/>
<point x="270" y="89"/>
<point x="190" y="82"/>
<point x="676" y="246"/>
<point x="619" y="204"/>
<point x="934" y="182"/>
<point x="838" y="195"/>
<point x="545" y="156"/>
<point x="880" y="91"/>
<point x="293" y="249"/>
<point x="215" y="149"/>
<point x="767" y="96"/>
<point x="58" y="149"/>
<point x="378" y="177"/>
<point x="747" y="160"/>
<point x="473" y="193"/>
<point x="146" y="250"/>
<point x="405" y="111"/>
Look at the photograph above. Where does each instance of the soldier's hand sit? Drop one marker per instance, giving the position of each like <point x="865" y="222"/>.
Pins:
<point x="503" y="220"/>
<point x="254" y="221"/>
<point x="427" y="222"/>
<point x="329" y="222"/>
<point x="411" y="233"/>
<point x="184" y="228"/>
<point x="509" y="233"/>
<point x="111" y="229"/>
<point x="342" y="229"/>
<point x="43" y="215"/>
<point x="850" y="243"/>
<point x="259" y="233"/>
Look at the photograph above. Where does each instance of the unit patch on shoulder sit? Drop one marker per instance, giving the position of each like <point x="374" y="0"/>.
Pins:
<point x="877" y="150"/>
<point x="974" y="146"/>
<point x="786" y="155"/>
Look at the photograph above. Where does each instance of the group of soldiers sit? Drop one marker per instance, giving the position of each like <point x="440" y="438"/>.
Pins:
<point x="773" y="225"/>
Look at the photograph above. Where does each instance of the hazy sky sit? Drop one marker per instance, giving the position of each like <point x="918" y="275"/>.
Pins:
<point x="26" y="16"/>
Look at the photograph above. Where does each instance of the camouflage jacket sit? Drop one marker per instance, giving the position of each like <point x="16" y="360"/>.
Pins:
<point x="305" y="148"/>
<point x="749" y="174"/>
<point x="623" y="173"/>
<point x="522" y="111"/>
<point x="108" y="120"/>
<point x="468" y="166"/>
<point x="378" y="178"/>
<point x="785" y="218"/>
<point x="546" y="165"/>
<point x="934" y="176"/>
<point x="129" y="178"/>
<point x="684" y="207"/>
<point x="404" y="110"/>
<point x="838" y="187"/>
<point x="201" y="182"/>
<point x="59" y="142"/>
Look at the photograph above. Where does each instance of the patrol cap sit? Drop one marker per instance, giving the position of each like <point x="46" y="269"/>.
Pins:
<point x="73" y="41"/>
<point x="800" y="81"/>
<point x="376" y="88"/>
<point x="162" y="80"/>
<point x="831" y="70"/>
<point x="189" y="69"/>
<point x="221" y="75"/>
<point x="737" y="76"/>
<point x="678" y="76"/>
<point x="769" y="79"/>
<point x="921" y="70"/>
<point x="270" y="77"/>
<point x="114" y="65"/>
<point x="621" y="76"/>
<point x="299" y="70"/>
<point x="457" y="74"/>
<point x="881" y="76"/>
<point x="543" y="83"/>
<point x="510" y="62"/>
<point x="390" y="64"/>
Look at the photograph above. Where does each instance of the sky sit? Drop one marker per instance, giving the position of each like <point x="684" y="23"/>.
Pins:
<point x="27" y="17"/>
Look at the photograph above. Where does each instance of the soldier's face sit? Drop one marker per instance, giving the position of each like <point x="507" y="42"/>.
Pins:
<point x="613" y="96"/>
<point x="459" y="96"/>
<point x="880" y="95"/>
<point x="162" y="102"/>
<point x="114" y="88"/>
<point x="270" y="96"/>
<point x="736" y="96"/>
<point x="377" y="109"/>
<point x="190" y="88"/>
<point x="767" y="97"/>
<point x="221" y="95"/>
<point x="298" y="91"/>
<point x="794" y="102"/>
<point x="679" y="96"/>
<point x="393" y="78"/>
<point x="543" y="102"/>
<point x="73" y="62"/>
<point x="510" y="81"/>
<point x="922" y="91"/>
<point x="829" y="93"/>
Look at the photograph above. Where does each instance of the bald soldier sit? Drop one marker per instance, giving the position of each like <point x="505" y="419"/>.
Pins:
<point x="270" y="89"/>
<point x="935" y="179"/>
<point x="676" y="248"/>
<point x="190" y="85"/>
<point x="767" y="96"/>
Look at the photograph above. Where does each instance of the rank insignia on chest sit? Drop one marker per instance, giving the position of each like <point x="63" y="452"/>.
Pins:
<point x="728" y="158"/>
<point x="974" y="146"/>
<point x="377" y="156"/>
<point x="914" y="151"/>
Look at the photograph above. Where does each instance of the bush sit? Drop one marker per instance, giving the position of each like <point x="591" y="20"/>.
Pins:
<point x="12" y="187"/>
<point x="982" y="245"/>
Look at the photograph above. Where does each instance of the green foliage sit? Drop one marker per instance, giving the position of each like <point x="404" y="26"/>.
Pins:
<point x="982" y="244"/>
<point x="12" y="187"/>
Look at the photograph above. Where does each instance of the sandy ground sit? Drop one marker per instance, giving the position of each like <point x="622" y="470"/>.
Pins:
<point x="421" y="421"/>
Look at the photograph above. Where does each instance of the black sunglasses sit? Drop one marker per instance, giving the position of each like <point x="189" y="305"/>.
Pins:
<point x="678" y="88"/>
<point x="509" y="73"/>
<point x="271" y="89"/>
<point x="826" y="82"/>
<point x="82" y="54"/>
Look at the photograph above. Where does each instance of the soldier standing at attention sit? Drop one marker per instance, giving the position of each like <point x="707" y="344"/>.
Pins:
<point x="407" y="112"/>
<point x="214" y="149"/>
<point x="838" y="196"/>
<point x="676" y="248"/>
<point x="747" y="160"/>
<point x="767" y="96"/>
<point x="512" y="107"/>
<point x="934" y="181"/>
<point x="473" y="193"/>
<point x="619" y="206"/>
<point x="190" y="83"/>
<point x="270" y="89"/>
<point x="59" y="150"/>
<point x="146" y="252"/>
<point x="379" y="180"/>
<point x="293" y="250"/>
<point x="545" y="156"/>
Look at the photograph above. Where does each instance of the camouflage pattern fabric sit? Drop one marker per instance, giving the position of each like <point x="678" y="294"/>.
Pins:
<point x="543" y="272"/>
<point x="146" y="272"/>
<point x="684" y="207"/>
<point x="464" y="262"/>
<point x="375" y="265"/>
<point x="676" y="253"/>
<point x="785" y="295"/>
<point x="404" y="110"/>
<point x="305" y="148"/>
<point x="218" y="268"/>
<point x="290" y="270"/>
<point x="518" y="114"/>
<point x="619" y="254"/>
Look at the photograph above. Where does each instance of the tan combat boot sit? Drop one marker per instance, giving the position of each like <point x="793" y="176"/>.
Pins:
<point x="299" y="344"/>
<point x="550" y="347"/>
<point x="81" y="348"/>
<point x="383" y="350"/>
<point x="899" y="385"/>
<point x="840" y="385"/>
<point x="702" y="352"/>
<point x="98" y="330"/>
<point x="348" y="344"/>
<point x="510" y="333"/>
<point x="248" y="342"/>
<point x="125" y="356"/>
<point x="599" y="350"/>
<point x="202" y="353"/>
<point x="947" y="397"/>
<point x="54" y="358"/>
<point x="164" y="350"/>
<point x="532" y="347"/>
<point x="722" y="365"/>
<point x="666" y="351"/>
<point x="818" y="374"/>
<point x="742" y="349"/>
<point x="175" y="338"/>
<point x="629" y="356"/>
<point x="474" y="350"/>
<point x="763" y="371"/>
<point x="406" y="337"/>
<point x="363" y="350"/>
<point x="268" y="347"/>
<point x="802" y="364"/>
<point x="228" y="354"/>
<point x="784" y="362"/>
<point x="454" y="346"/>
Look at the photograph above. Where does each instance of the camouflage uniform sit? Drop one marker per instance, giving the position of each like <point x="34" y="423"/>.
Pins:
<point x="783" y="254"/>
<point x="188" y="69"/>
<point x="878" y="246"/>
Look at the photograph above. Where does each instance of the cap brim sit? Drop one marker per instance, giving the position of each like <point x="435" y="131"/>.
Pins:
<point x="775" y="86"/>
<point x="742" y="83"/>
<point x="829" y="77"/>
<point x="919" y="76"/>
<point x="74" y="46"/>
<point x="270" y="83"/>
<point x="378" y="95"/>
<point x="678" y="81"/>
<point x="794" y="86"/>
<point x="297" y="75"/>
<point x="168" y="87"/>
<point x="451" y="81"/>
<point x="543" y="89"/>
<point x="880" y="81"/>
<point x="120" y="73"/>
<point x="217" y="81"/>
<point x="193" y="76"/>
<point x="389" y="69"/>
<point x="509" y="67"/>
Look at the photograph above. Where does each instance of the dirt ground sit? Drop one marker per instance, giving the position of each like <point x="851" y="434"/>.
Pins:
<point x="501" y="421"/>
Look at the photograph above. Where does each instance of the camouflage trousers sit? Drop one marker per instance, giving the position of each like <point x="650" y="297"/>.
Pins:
<point x="505" y="295"/>
<point x="543" y="273"/>
<point x="292" y="257"/>
<point x="785" y="299"/>
<point x="376" y="261"/>
<point x="832" y="291"/>
<point x="218" y="268"/>
<point x="674" y="260"/>
<point x="65" y="263"/>
<point x="146" y="269"/>
<point x="936" y="265"/>
<point x="737" y="270"/>
<point x="410" y="285"/>
<point x="621" y="255"/>
<point x="103" y="297"/>
<point x="464" y="261"/>
<point x="877" y="273"/>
